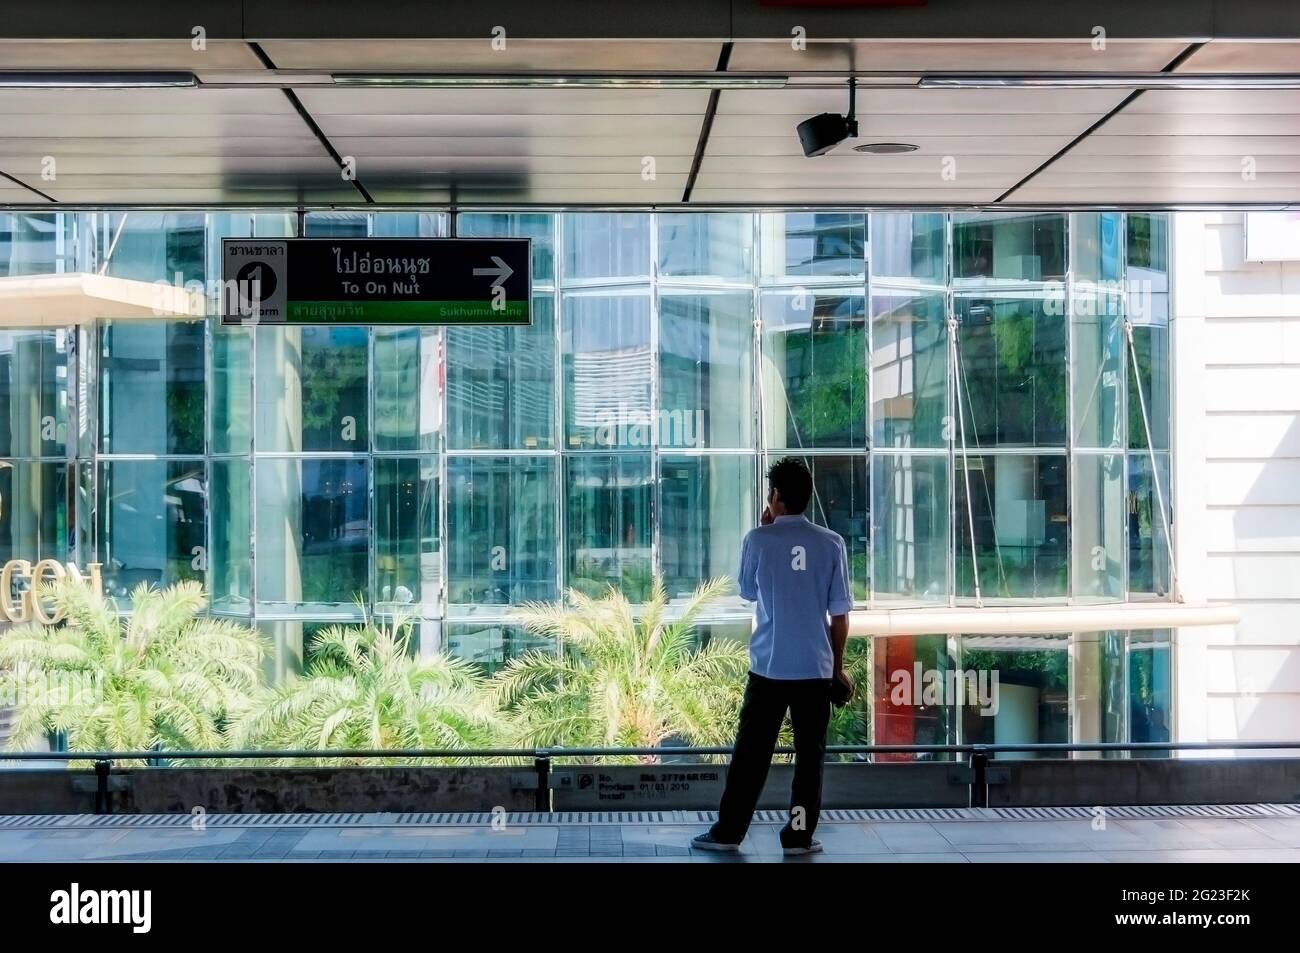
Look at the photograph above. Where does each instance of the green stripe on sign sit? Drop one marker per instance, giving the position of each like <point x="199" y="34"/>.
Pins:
<point x="406" y="312"/>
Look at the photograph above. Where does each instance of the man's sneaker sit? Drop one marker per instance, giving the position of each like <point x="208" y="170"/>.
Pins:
<point x="814" y="846"/>
<point x="707" y="841"/>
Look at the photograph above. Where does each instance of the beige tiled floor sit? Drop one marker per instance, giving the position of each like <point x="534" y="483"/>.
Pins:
<point x="974" y="839"/>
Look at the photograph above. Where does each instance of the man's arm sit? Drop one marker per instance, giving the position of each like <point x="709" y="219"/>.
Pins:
<point x="839" y="638"/>
<point x="838" y="603"/>
<point x="747" y="577"/>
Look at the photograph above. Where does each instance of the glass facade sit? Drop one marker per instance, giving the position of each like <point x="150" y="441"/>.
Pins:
<point x="958" y="384"/>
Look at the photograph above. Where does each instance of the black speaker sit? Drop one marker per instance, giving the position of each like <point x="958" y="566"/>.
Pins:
<point x="822" y="133"/>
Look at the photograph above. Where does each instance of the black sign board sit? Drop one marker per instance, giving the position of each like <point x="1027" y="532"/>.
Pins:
<point x="454" y="281"/>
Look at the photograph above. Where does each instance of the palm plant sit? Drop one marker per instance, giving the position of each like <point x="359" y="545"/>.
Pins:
<point x="622" y="681"/>
<point x="365" y="689"/>
<point x="163" y="677"/>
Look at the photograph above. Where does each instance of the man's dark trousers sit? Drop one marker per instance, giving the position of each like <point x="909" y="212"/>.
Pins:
<point x="764" y="708"/>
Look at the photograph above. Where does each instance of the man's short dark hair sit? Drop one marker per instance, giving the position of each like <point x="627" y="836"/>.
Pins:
<point x="790" y="478"/>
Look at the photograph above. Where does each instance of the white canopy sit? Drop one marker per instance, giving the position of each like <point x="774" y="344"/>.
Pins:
<point x="1029" y="620"/>
<point x="32" y="301"/>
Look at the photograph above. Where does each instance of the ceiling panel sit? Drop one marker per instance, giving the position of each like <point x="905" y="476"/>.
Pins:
<point x="126" y="55"/>
<point x="165" y="146"/>
<point x="487" y="103"/>
<point x="841" y="197"/>
<point x="432" y="56"/>
<point x="511" y="145"/>
<point x="1184" y="146"/>
<point x="1143" y="196"/>
<point x="14" y="194"/>
<point x="973" y="145"/>
<point x="906" y="102"/>
<point x="1235" y="56"/>
<point x="590" y="146"/>
<point x="933" y="56"/>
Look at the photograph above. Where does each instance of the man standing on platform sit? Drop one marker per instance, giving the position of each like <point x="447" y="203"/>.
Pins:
<point x="796" y="574"/>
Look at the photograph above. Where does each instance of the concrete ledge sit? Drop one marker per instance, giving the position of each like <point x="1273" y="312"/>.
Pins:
<point x="922" y="784"/>
<point x="698" y="787"/>
<point x="1061" y="782"/>
<point x="271" y="790"/>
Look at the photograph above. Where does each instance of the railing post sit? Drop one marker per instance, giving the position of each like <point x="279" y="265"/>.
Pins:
<point x="103" y="803"/>
<point x="542" y="765"/>
<point x="979" y="787"/>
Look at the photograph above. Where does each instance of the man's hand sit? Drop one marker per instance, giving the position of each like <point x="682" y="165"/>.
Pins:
<point x="843" y="678"/>
<point x="767" y="517"/>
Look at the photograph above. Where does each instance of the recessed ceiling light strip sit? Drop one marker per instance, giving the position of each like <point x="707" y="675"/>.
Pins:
<point x="1203" y="81"/>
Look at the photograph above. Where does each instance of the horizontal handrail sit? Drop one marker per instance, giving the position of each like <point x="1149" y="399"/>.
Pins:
<point x="564" y="752"/>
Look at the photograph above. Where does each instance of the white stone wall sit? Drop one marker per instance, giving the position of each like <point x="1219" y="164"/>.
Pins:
<point x="1236" y="332"/>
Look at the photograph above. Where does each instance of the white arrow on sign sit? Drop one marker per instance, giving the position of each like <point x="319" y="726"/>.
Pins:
<point x="502" y="271"/>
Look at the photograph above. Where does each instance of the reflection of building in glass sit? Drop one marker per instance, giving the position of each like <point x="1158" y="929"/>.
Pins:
<point x="307" y="473"/>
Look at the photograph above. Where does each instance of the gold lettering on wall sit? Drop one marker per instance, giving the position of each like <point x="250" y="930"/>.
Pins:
<point x="20" y="581"/>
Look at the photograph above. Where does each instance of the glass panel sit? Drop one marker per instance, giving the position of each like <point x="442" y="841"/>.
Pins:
<point x="1019" y="508"/>
<point x="501" y="530"/>
<point x="311" y="389"/>
<point x="337" y="225"/>
<point x="33" y="511"/>
<point x="232" y="398"/>
<point x="151" y="380"/>
<point x="1097" y="690"/>
<point x="151" y="523"/>
<point x="911" y="532"/>
<point x="1098" y="530"/>
<point x="407" y="224"/>
<point x="1145" y="307"/>
<point x="286" y="641"/>
<point x="152" y="246"/>
<point x="1013" y="372"/>
<point x="719" y="247"/>
<point x="230" y="580"/>
<point x="538" y="226"/>
<point x="1147" y="247"/>
<point x="1023" y="687"/>
<point x="1151" y="345"/>
<point x="1148" y="543"/>
<point x="707" y="504"/>
<point x="841" y="501"/>
<point x="1150" y="689"/>
<point x="408" y="569"/>
<point x="909" y="370"/>
<point x="607" y="370"/>
<point x="908" y="246"/>
<point x="706" y="344"/>
<point x="312" y="531"/>
<point x="33" y="393"/>
<point x="408" y="385"/>
<point x="33" y="244"/>
<point x="814" y="375"/>
<point x="1095" y="240"/>
<point x="812" y="245"/>
<point x="1009" y="246"/>
<point x="904" y="667"/>
<point x="601" y="245"/>
<point x="608" y="500"/>
<point x="1099" y="359"/>
<point x="491" y="646"/>
<point x="501" y="384"/>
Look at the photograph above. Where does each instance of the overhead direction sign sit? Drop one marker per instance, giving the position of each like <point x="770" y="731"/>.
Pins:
<point x="452" y="281"/>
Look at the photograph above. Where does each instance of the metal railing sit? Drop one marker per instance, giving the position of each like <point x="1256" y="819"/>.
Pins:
<point x="977" y="757"/>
